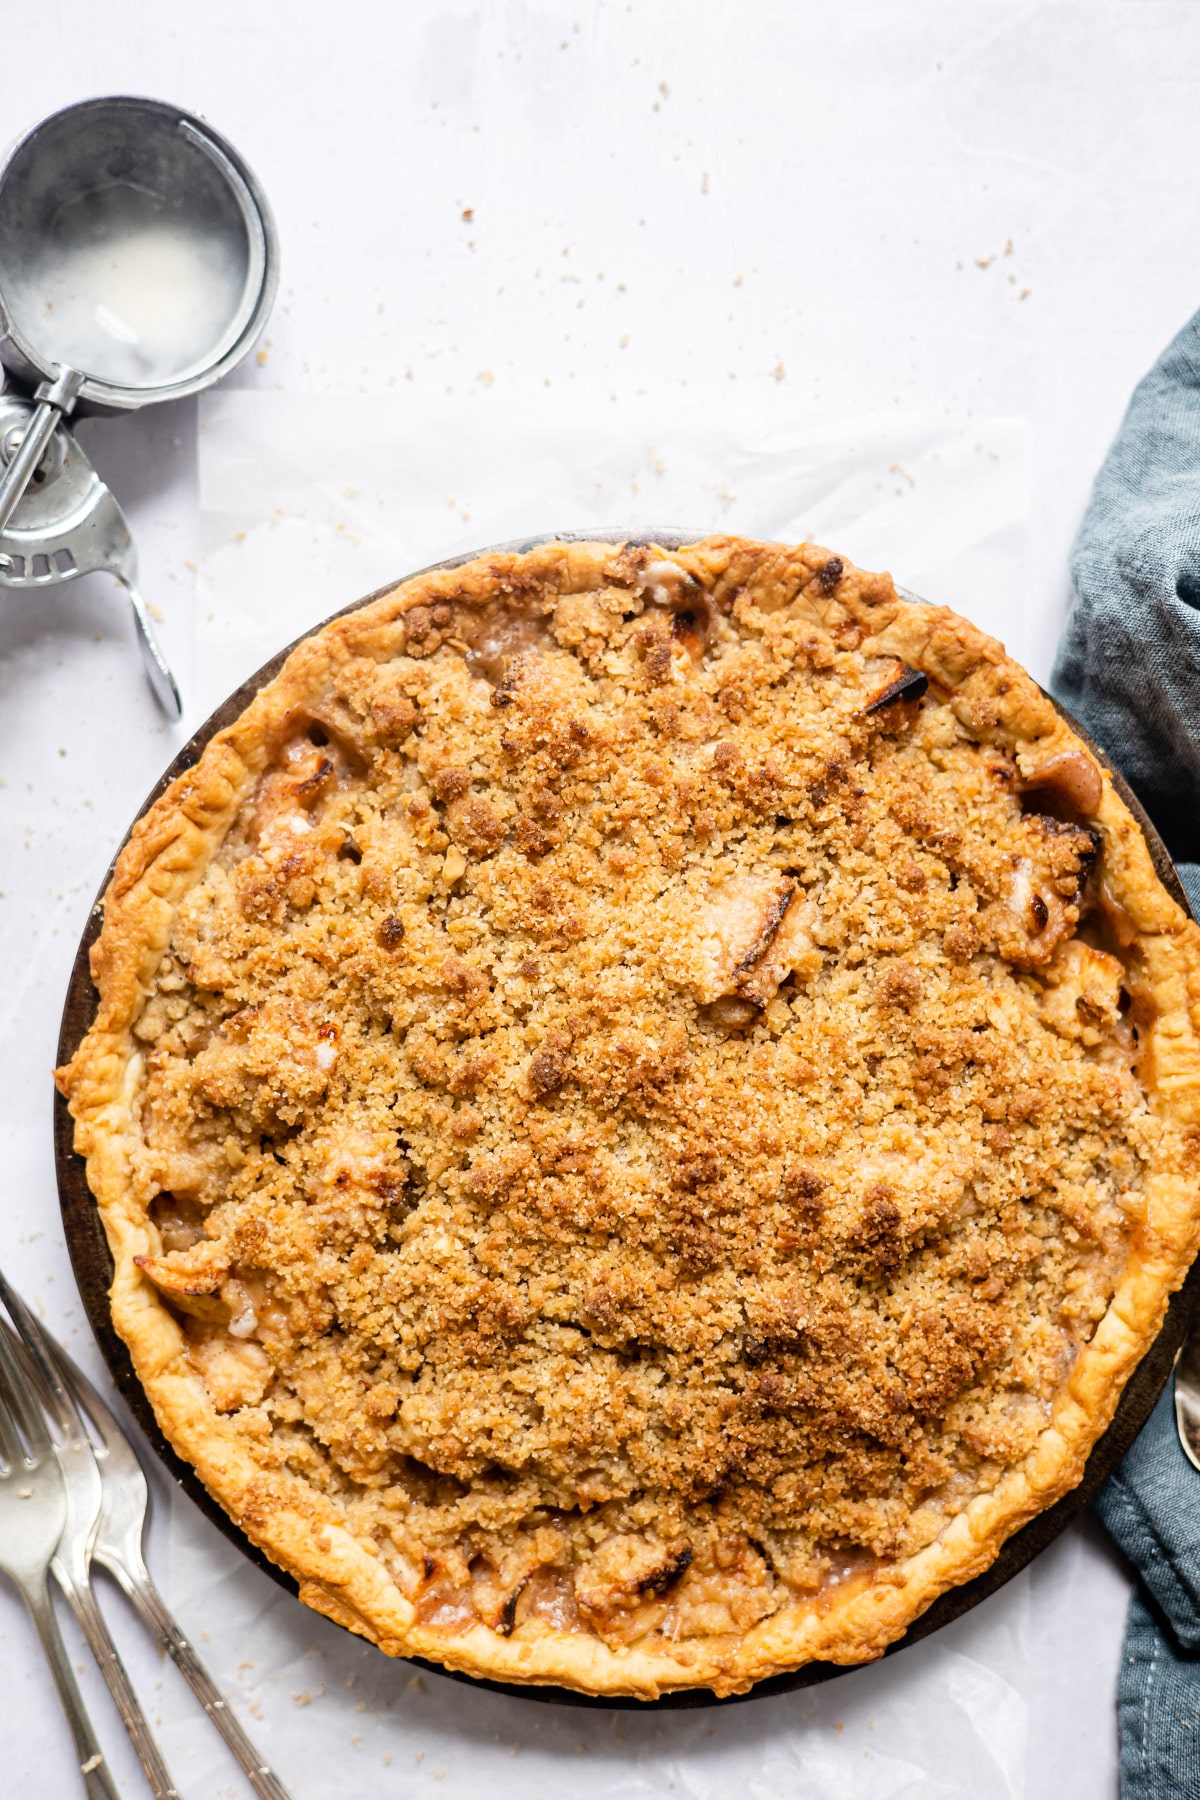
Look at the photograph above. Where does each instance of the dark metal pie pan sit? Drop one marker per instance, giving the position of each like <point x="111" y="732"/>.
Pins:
<point x="93" y="1264"/>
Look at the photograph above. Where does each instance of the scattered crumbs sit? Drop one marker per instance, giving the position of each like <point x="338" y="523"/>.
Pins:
<point x="779" y="371"/>
<point x="417" y="1686"/>
<point x="1025" y="293"/>
<point x="387" y="1759"/>
<point x="190" y="565"/>
<point x="468" y="213"/>
<point x="623" y="340"/>
<point x="419" y="1756"/>
<point x="485" y="377"/>
<point x="352" y="1679"/>
<point x="985" y="262"/>
<point x="239" y="537"/>
<point x="1008" y="248"/>
<point x="664" y="90"/>
<point x="244" y="1665"/>
<point x="899" y="469"/>
<point x="62" y="752"/>
<point x="704" y="182"/>
<point x="261" y="358"/>
<point x="93" y="1762"/>
<point x="205" y="1636"/>
<point x="361" y="1707"/>
<point x="303" y="1698"/>
<point x="156" y="612"/>
<point x="840" y="1726"/>
<point x="438" y="1774"/>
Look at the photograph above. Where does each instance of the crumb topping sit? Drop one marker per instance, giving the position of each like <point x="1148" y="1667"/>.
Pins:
<point x="642" y="1109"/>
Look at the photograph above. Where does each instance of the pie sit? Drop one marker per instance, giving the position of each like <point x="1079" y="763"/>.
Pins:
<point x="646" y="1104"/>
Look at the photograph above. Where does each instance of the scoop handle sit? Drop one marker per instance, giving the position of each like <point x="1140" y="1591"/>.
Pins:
<point x="166" y="692"/>
<point x="55" y="398"/>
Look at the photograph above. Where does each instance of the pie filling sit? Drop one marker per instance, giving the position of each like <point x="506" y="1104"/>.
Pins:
<point x="642" y="1111"/>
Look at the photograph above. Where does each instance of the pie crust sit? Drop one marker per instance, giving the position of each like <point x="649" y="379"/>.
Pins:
<point x="645" y="1104"/>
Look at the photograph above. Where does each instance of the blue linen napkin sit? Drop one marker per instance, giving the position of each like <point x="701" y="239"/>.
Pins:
<point x="1151" y="1506"/>
<point x="1129" y="669"/>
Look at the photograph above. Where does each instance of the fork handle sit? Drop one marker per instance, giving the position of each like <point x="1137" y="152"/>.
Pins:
<point x="135" y="1579"/>
<point x="82" y="1602"/>
<point x="97" y="1782"/>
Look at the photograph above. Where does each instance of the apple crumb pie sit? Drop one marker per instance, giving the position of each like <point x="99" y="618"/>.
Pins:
<point x="646" y="1104"/>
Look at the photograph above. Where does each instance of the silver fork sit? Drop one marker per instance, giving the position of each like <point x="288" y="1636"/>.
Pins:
<point x="33" y="1511"/>
<point x="116" y="1543"/>
<point x="82" y="1481"/>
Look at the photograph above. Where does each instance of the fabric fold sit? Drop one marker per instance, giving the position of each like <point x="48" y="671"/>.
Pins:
<point x="1151" y="1507"/>
<point x="1128" y="667"/>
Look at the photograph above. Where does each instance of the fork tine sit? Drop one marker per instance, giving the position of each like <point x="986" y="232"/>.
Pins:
<point x="29" y="1371"/>
<point x="41" y="1348"/>
<point x="22" y="1403"/>
<point x="11" y="1447"/>
<point x="98" y="1419"/>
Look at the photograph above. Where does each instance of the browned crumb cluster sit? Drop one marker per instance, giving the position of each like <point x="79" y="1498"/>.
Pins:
<point x="631" y="1111"/>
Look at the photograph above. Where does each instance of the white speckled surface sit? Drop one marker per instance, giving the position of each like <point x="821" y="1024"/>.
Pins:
<point x="724" y="268"/>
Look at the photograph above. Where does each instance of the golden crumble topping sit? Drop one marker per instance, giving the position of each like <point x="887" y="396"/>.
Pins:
<point x="628" y="1111"/>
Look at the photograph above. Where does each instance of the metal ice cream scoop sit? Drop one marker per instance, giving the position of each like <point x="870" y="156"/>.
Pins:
<point x="138" y="262"/>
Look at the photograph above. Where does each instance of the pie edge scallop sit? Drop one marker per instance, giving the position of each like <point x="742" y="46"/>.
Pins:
<point x="168" y="851"/>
